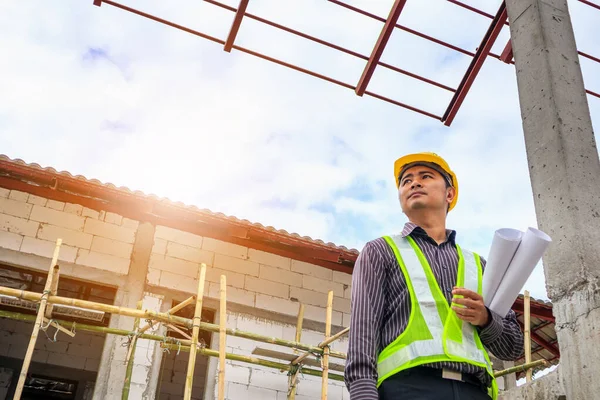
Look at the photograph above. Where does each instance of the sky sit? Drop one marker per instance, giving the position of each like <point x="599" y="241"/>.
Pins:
<point x="110" y="95"/>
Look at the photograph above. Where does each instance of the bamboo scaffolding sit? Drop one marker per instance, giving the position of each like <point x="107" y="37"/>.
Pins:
<point x="520" y="368"/>
<point x="325" y="359"/>
<point x="174" y="344"/>
<point x="51" y="322"/>
<point x="38" y="321"/>
<point x="252" y="360"/>
<point x="180" y="331"/>
<point x="90" y="328"/>
<point x="189" y="379"/>
<point x="293" y="378"/>
<point x="169" y="343"/>
<point x="222" y="336"/>
<point x="130" y="356"/>
<point x="527" y="332"/>
<point x="173" y="310"/>
<point x="53" y="291"/>
<point x="164" y="317"/>
<point x="322" y="345"/>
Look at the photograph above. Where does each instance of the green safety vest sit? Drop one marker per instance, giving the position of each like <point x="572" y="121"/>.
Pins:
<point x="434" y="332"/>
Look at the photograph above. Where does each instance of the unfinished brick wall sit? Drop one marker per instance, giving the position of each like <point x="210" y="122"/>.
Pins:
<point x="104" y="240"/>
<point x="247" y="381"/>
<point x="257" y="279"/>
<point x="254" y="278"/>
<point x="173" y="372"/>
<point x="31" y="224"/>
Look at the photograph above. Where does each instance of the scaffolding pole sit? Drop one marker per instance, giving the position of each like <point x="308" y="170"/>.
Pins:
<point x="189" y="379"/>
<point x="325" y="359"/>
<point x="222" y="336"/>
<point x="39" y="320"/>
<point x="527" y="334"/>
<point x="293" y="375"/>
<point x="130" y="356"/>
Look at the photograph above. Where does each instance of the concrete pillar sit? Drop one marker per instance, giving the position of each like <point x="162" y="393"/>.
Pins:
<point x="565" y="176"/>
<point x="147" y="358"/>
<point x="111" y="374"/>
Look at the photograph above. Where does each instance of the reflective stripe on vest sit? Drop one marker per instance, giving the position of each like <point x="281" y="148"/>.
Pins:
<point x="448" y="338"/>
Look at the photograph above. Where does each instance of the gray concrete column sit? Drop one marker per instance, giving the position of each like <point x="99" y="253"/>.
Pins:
<point x="111" y="374"/>
<point x="565" y="177"/>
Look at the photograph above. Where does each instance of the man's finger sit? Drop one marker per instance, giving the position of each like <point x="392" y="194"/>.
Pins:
<point x="465" y="311"/>
<point x="466" y="293"/>
<point x="468" y="302"/>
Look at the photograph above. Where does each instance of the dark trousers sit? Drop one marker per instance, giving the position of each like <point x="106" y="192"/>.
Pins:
<point x="421" y="384"/>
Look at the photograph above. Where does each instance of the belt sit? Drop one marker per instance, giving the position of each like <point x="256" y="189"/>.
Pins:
<point x="445" y="373"/>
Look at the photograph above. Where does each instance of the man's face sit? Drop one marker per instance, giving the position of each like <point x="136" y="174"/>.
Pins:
<point x="423" y="187"/>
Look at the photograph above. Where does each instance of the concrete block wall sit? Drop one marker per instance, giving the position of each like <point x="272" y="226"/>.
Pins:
<point x="103" y="240"/>
<point x="174" y="369"/>
<point x="247" y="381"/>
<point x="80" y="352"/>
<point x="254" y="278"/>
<point x="257" y="279"/>
<point x="31" y="224"/>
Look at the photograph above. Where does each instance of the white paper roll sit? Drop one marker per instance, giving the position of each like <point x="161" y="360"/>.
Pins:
<point x="504" y="245"/>
<point x="529" y="253"/>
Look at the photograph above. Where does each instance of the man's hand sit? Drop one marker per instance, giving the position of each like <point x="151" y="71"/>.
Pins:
<point x="470" y="307"/>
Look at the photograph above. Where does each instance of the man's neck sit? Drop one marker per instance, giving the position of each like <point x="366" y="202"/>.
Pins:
<point x="434" y="225"/>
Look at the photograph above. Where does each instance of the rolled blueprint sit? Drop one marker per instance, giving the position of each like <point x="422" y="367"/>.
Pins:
<point x="530" y="251"/>
<point x="504" y="245"/>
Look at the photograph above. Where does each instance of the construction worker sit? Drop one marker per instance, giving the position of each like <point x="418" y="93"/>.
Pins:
<point x="419" y="328"/>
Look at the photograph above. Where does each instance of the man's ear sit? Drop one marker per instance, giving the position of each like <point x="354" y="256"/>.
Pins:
<point x="450" y="194"/>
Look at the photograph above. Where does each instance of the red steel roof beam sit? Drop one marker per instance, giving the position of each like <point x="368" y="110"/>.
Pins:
<point x="402" y="27"/>
<point x="332" y="45"/>
<point x="589" y="3"/>
<point x="581" y="53"/>
<point x="593" y="93"/>
<point x="235" y="27"/>
<point x="542" y="342"/>
<point x="271" y="59"/>
<point x="476" y="64"/>
<point x="163" y="21"/>
<point x="536" y="310"/>
<point x="98" y="3"/>
<point x="475" y="10"/>
<point x="384" y="36"/>
<point x="507" y="53"/>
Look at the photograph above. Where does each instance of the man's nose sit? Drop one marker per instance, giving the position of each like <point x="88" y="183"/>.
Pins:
<point x="415" y="184"/>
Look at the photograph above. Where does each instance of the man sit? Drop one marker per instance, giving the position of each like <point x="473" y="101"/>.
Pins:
<point x="419" y="329"/>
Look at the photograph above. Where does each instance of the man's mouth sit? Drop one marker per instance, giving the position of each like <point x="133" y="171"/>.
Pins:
<point x="416" y="194"/>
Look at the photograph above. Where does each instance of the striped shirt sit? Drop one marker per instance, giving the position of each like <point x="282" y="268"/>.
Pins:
<point x="381" y="308"/>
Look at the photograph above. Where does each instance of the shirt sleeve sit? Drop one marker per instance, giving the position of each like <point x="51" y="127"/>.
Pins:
<point x="502" y="336"/>
<point x="367" y="308"/>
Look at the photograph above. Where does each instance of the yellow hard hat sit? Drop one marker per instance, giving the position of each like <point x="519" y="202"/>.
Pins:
<point x="426" y="157"/>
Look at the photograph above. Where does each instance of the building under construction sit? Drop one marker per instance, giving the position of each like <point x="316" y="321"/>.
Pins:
<point x="150" y="297"/>
<point x="120" y="248"/>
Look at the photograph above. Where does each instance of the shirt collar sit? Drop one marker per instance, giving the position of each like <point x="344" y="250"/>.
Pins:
<point x="414" y="229"/>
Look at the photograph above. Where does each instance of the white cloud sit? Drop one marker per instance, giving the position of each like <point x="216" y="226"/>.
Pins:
<point x="163" y="111"/>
